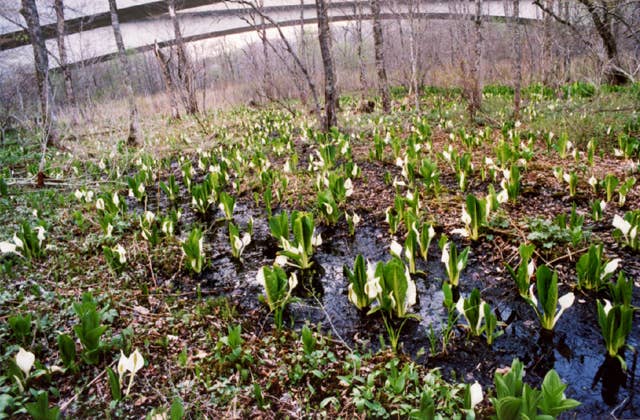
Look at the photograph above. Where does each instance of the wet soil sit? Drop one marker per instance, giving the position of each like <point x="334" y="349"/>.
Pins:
<point x="576" y="350"/>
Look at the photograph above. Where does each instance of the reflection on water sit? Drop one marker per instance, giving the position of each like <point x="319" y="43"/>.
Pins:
<point x="612" y="376"/>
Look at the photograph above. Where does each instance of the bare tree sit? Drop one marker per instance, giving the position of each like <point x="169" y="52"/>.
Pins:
<point x="357" y="8"/>
<point x="288" y="48"/>
<point x="606" y="15"/>
<point x="475" y="99"/>
<point x="29" y="12"/>
<point x="165" y="67"/>
<point x="62" y="51"/>
<point x="378" y="43"/>
<point x="330" y="93"/>
<point x="517" y="55"/>
<point x="267" y="78"/>
<point x="134" y="128"/>
<point x="186" y="71"/>
<point x="414" y="8"/>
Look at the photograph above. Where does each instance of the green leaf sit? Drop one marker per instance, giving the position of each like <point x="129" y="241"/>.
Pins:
<point x="177" y="410"/>
<point x="67" y="348"/>
<point x="40" y="410"/>
<point x="114" y="385"/>
<point x="508" y="408"/>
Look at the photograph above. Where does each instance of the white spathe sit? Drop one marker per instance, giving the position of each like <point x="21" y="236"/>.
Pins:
<point x="25" y="360"/>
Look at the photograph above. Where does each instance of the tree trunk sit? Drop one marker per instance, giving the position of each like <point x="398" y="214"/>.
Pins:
<point x="134" y="128"/>
<point x="476" y="68"/>
<point x="163" y="60"/>
<point x="603" y="26"/>
<point x="357" y="8"/>
<point x="185" y="68"/>
<point x="29" y="12"/>
<point x="517" y="49"/>
<point x="330" y="94"/>
<point x="546" y="45"/>
<point x="62" y="51"/>
<point x="378" y="43"/>
<point x="267" y="78"/>
<point x="413" y="51"/>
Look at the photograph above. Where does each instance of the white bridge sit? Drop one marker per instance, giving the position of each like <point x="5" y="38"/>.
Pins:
<point x="90" y="37"/>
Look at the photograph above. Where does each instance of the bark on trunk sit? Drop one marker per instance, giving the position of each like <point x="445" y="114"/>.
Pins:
<point x="164" y="61"/>
<point x="603" y="25"/>
<point x="185" y="68"/>
<point x="517" y="49"/>
<point x="267" y="78"/>
<point x="546" y="45"/>
<point x="413" y="51"/>
<point x="62" y="51"/>
<point x="378" y="43"/>
<point x="29" y="12"/>
<point x="357" y="8"/>
<point x="330" y="94"/>
<point x="476" y="69"/>
<point x="132" y="140"/>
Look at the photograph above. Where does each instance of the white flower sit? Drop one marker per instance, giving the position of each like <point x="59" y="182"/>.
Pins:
<point x="25" y="360"/>
<point x="79" y="195"/>
<point x="533" y="297"/>
<point x="396" y="248"/>
<point x="354" y="171"/>
<point x="328" y="208"/>
<point x="356" y="219"/>
<point x="18" y="241"/>
<point x="633" y="233"/>
<point x="100" y="204"/>
<point x="281" y="260"/>
<point x="603" y="205"/>
<point x="287" y="167"/>
<point x="611" y="267"/>
<point x="41" y="233"/>
<point x="149" y="217"/>
<point x="622" y="225"/>
<point x="566" y="177"/>
<point x="372" y="287"/>
<point x="593" y="181"/>
<point x="432" y="232"/>
<point x="246" y="239"/>
<point x="122" y="253"/>
<point x="7" y="248"/>
<point x="123" y="363"/>
<point x="466" y="218"/>
<point x="410" y="297"/>
<point x="353" y="298"/>
<point x="348" y="185"/>
<point x="445" y="254"/>
<point x="237" y="243"/>
<point x="607" y="307"/>
<point x="565" y="303"/>
<point x="293" y="281"/>
<point x="316" y="240"/>
<point x="476" y="394"/>
<point x="399" y="183"/>
<point x="531" y="268"/>
<point x="502" y="196"/>
<point x="116" y="199"/>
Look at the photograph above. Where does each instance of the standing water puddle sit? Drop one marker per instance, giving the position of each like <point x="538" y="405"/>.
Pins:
<point x="576" y="351"/>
